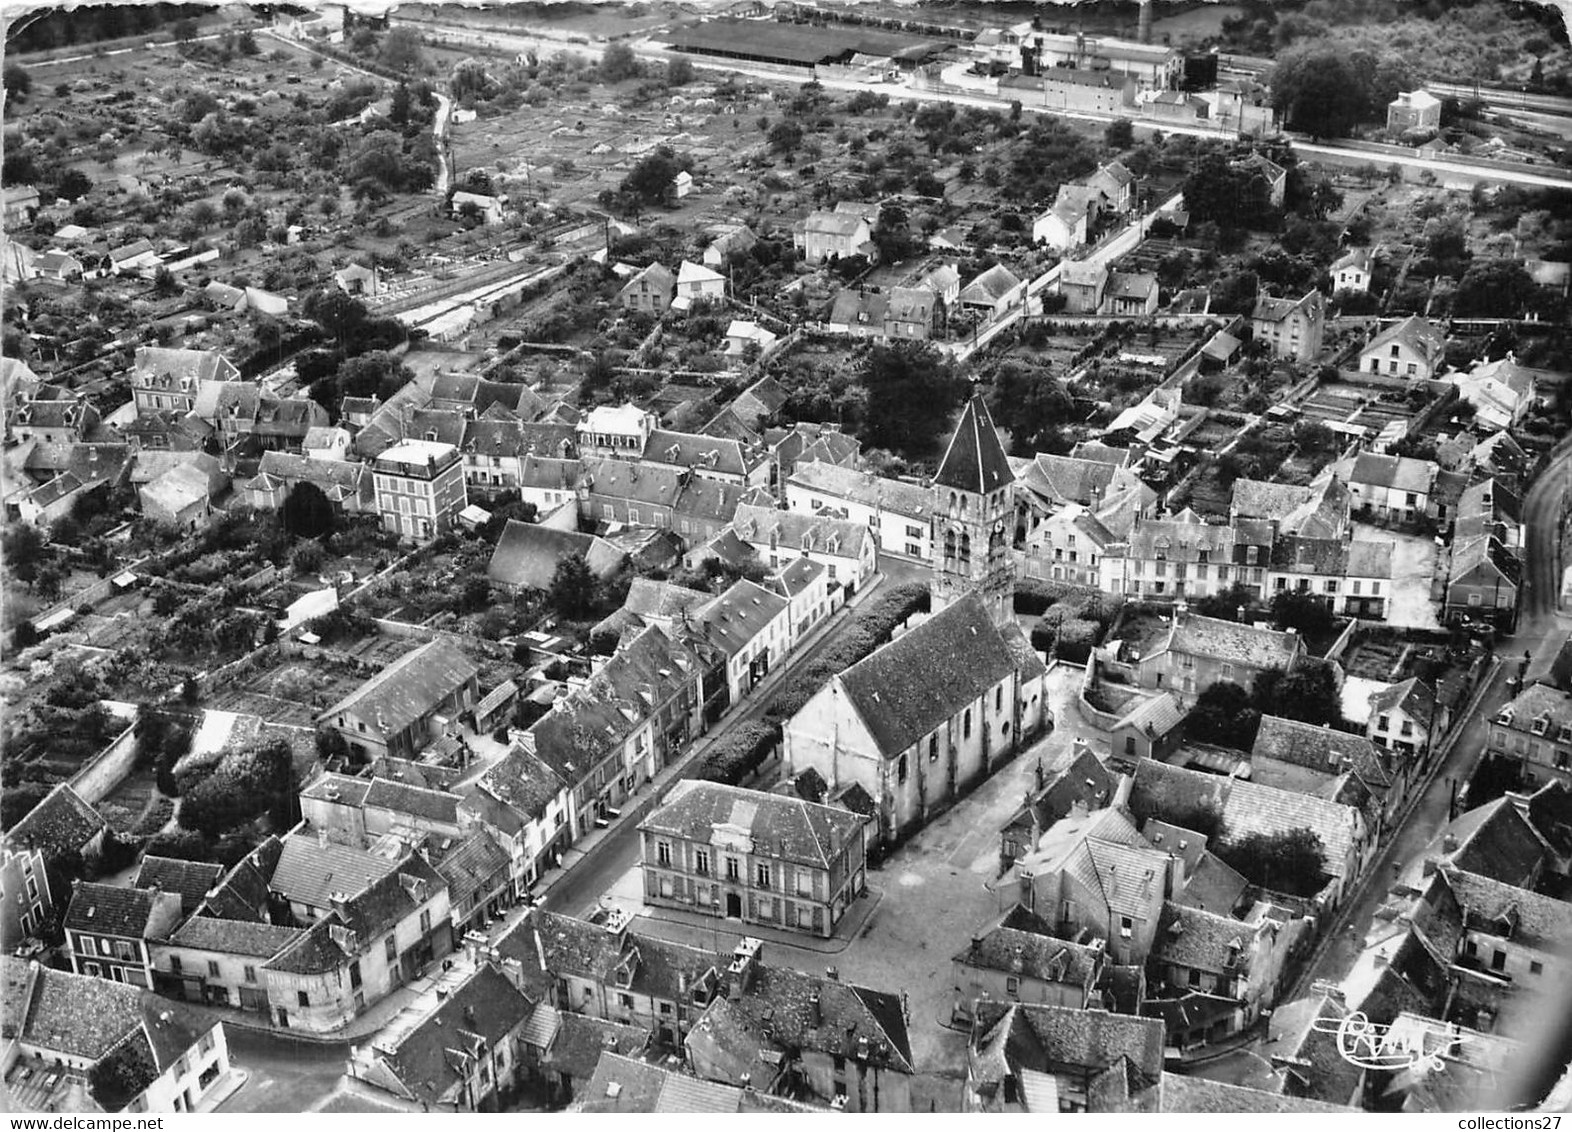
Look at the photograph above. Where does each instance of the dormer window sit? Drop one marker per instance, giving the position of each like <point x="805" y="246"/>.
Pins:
<point x="1540" y="725"/>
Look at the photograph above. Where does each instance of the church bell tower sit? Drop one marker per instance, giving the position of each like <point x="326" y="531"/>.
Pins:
<point x="973" y="500"/>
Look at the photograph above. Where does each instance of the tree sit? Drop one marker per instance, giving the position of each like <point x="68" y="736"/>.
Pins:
<point x="572" y="591"/>
<point x="1326" y="90"/>
<point x="911" y="391"/>
<point x="330" y="744"/>
<point x="1032" y="406"/>
<point x="1217" y="192"/>
<point x="1120" y="134"/>
<point x="18" y="83"/>
<point x="1308" y="693"/>
<point x="51" y="577"/>
<point x="19" y="799"/>
<point x="619" y="63"/>
<point x="25" y="551"/>
<point x="650" y="179"/>
<point x="400" y="105"/>
<point x="892" y="235"/>
<point x="1223" y="715"/>
<point x="785" y="136"/>
<point x="342" y="316"/>
<point x="379" y="161"/>
<point x="73" y="185"/>
<point x="475" y="596"/>
<point x="1446" y="242"/>
<point x="1495" y="287"/>
<point x="308" y="556"/>
<point x="1314" y="90"/>
<point x="306" y="513"/>
<point x="247" y="782"/>
<point x="18" y="167"/>
<point x="400" y="50"/>
<point x="468" y="80"/>
<point x="1235" y="293"/>
<point x="1304" y="612"/>
<point x="1292" y="862"/>
<point x="679" y="71"/>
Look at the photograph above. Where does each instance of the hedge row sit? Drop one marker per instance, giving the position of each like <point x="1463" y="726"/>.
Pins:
<point x="737" y="754"/>
<point x="872" y="627"/>
<point x="1033" y="596"/>
<point x="1072" y="618"/>
<point x="740" y="752"/>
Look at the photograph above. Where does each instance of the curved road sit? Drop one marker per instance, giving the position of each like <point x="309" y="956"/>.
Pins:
<point x="1539" y="624"/>
<point x="1540" y="633"/>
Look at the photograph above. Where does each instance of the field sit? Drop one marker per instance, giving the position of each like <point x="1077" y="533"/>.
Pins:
<point x="1201" y="22"/>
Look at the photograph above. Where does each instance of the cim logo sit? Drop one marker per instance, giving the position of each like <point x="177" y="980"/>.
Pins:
<point x="1369" y="1046"/>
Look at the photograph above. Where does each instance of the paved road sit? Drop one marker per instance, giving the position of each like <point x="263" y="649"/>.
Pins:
<point x="618" y="852"/>
<point x="94" y="56"/>
<point x="1539" y="624"/>
<point x="1540" y="632"/>
<point x="285" y="1075"/>
<point x="652" y="51"/>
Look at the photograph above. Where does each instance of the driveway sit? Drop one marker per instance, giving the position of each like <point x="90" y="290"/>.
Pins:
<point x="1413" y="568"/>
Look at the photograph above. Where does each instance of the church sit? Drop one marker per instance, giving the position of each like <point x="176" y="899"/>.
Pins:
<point x="934" y="712"/>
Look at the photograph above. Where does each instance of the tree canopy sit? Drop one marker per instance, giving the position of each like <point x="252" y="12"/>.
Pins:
<point x="1292" y="862"/>
<point x="306" y="512"/>
<point x="1223" y="714"/>
<point x="400" y="50"/>
<point x="572" y="592"/>
<point x="247" y="782"/>
<point x="1228" y="196"/>
<point x="1032" y="406"/>
<point x="619" y="63"/>
<point x="912" y="390"/>
<point x="1309" y="693"/>
<point x="1495" y="287"/>
<point x="1326" y="90"/>
<point x="650" y="179"/>
<point x="1302" y="611"/>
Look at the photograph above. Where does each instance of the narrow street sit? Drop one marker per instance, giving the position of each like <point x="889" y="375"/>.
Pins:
<point x="1540" y="633"/>
<point x="579" y="893"/>
<point x="1541" y="629"/>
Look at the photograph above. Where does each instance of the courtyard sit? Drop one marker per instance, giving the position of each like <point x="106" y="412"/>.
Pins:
<point x="1413" y="569"/>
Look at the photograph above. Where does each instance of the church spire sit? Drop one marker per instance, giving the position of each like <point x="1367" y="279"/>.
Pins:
<point x="975" y="460"/>
<point x="973" y="502"/>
